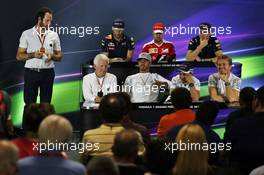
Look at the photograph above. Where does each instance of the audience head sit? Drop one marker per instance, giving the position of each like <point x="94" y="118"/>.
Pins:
<point x="194" y="157"/>
<point x="207" y="112"/>
<point x="126" y="146"/>
<point x="258" y="105"/>
<point x="246" y="97"/>
<point x="181" y="98"/>
<point x="6" y="128"/>
<point x="111" y="108"/>
<point x="100" y="165"/>
<point x="34" y="115"/>
<point x="127" y="99"/>
<point x="158" y="159"/>
<point x="55" y="129"/>
<point x="224" y="64"/>
<point x="101" y="63"/>
<point x="9" y="155"/>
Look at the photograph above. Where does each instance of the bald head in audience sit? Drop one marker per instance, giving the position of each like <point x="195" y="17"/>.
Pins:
<point x="55" y="128"/>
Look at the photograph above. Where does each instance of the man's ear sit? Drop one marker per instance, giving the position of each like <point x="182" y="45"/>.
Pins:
<point x="94" y="66"/>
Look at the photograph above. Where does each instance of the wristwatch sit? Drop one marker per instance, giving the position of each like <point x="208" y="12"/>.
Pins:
<point x="227" y="83"/>
<point x="191" y="85"/>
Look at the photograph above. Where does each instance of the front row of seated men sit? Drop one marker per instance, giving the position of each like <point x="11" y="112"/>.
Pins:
<point x="144" y="86"/>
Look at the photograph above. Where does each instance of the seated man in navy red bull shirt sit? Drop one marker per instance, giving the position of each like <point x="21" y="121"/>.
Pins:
<point x="118" y="46"/>
<point x="204" y="47"/>
<point x="160" y="49"/>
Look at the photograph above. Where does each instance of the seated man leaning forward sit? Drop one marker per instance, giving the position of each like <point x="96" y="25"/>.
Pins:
<point x="99" y="83"/>
<point x="145" y="86"/>
<point x="187" y="80"/>
<point x="224" y="86"/>
<point x="204" y="47"/>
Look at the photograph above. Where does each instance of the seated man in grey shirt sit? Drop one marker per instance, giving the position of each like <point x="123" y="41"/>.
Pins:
<point x="224" y="86"/>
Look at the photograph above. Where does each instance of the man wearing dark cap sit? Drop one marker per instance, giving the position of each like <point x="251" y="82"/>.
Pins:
<point x="160" y="49"/>
<point x="204" y="47"/>
<point x="145" y="86"/>
<point x="186" y="80"/>
<point x="118" y="46"/>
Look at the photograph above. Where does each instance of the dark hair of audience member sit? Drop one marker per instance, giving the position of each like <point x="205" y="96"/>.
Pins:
<point x="207" y="112"/>
<point x="246" y="97"/>
<point x="111" y="108"/>
<point x="125" y="146"/>
<point x="181" y="98"/>
<point x="34" y="115"/>
<point x="260" y="96"/>
<point x="158" y="159"/>
<point x="101" y="165"/>
<point x="128" y="103"/>
<point x="6" y="128"/>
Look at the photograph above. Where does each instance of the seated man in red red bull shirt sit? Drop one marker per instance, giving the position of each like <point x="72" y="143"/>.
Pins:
<point x="160" y="49"/>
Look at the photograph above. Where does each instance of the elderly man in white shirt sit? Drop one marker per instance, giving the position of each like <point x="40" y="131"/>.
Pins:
<point x="186" y="80"/>
<point x="99" y="83"/>
<point x="224" y="86"/>
<point x="145" y="86"/>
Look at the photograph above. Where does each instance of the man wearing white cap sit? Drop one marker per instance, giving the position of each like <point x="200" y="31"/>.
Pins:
<point x="160" y="49"/>
<point x="187" y="80"/>
<point x="118" y="46"/>
<point x="145" y="86"/>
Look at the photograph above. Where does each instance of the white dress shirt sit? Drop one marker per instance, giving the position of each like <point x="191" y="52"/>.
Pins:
<point x="108" y="84"/>
<point x="141" y="89"/>
<point x="30" y="41"/>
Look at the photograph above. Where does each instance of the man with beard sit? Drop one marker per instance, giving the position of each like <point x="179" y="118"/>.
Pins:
<point x="39" y="47"/>
<point x="117" y="46"/>
<point x="145" y="86"/>
<point x="224" y="86"/>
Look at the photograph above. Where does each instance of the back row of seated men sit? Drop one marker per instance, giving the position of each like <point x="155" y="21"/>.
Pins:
<point x="144" y="86"/>
<point x="119" y="47"/>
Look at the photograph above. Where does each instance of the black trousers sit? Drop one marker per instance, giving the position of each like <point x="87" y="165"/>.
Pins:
<point x="38" y="83"/>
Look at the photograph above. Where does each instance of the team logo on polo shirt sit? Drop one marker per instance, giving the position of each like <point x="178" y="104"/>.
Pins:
<point x="153" y="50"/>
<point x="165" y="50"/>
<point x="111" y="46"/>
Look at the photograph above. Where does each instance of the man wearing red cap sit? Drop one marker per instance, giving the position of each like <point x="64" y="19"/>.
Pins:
<point x="160" y="49"/>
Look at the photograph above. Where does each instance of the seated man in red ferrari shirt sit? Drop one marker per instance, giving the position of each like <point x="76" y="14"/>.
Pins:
<point x="160" y="49"/>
